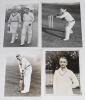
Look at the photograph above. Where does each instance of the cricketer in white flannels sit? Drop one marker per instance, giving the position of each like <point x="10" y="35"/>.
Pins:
<point x="28" y="18"/>
<point x="26" y="68"/>
<point x="14" y="23"/>
<point x="64" y="79"/>
<point x="70" y="22"/>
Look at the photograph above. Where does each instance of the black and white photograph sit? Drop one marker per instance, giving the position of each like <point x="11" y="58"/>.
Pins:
<point x="61" y="25"/>
<point x="42" y="49"/>
<point x="21" y="26"/>
<point x="62" y="73"/>
<point x="23" y="74"/>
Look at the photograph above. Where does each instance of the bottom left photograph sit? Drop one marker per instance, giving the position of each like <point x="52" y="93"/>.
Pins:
<point x="23" y="74"/>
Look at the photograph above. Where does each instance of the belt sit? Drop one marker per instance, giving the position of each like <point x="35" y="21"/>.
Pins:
<point x="27" y="67"/>
<point x="15" y="21"/>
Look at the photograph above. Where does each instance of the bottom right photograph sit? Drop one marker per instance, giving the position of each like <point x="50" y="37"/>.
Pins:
<point x="62" y="73"/>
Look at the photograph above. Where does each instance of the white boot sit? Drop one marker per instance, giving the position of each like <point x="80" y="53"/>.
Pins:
<point x="12" y="42"/>
<point x="66" y="39"/>
<point x="16" y="36"/>
<point x="22" y="44"/>
<point x="28" y="42"/>
<point x="23" y="91"/>
<point x="67" y="36"/>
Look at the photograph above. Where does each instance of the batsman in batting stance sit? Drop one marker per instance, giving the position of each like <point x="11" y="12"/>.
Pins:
<point x="25" y="70"/>
<point x="70" y="22"/>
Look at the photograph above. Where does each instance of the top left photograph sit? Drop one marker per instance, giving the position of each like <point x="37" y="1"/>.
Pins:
<point x="21" y="26"/>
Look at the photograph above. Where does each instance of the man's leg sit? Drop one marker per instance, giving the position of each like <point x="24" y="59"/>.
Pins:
<point x="23" y="34"/>
<point x="68" y="29"/>
<point x="27" y="81"/>
<point x="13" y="38"/>
<point x="71" y="26"/>
<point x="16" y="37"/>
<point x="13" y="30"/>
<point x="29" y="34"/>
<point x="67" y="32"/>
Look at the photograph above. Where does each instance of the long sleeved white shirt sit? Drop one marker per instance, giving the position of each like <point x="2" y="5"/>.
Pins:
<point x="15" y="18"/>
<point x="23" y="64"/>
<point x="63" y="82"/>
<point x="28" y="17"/>
<point x="68" y="17"/>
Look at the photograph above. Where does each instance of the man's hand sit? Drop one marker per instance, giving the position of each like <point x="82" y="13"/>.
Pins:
<point x="8" y="25"/>
<point x="63" y="19"/>
<point x="54" y="16"/>
<point x="30" y="24"/>
<point x="21" y="71"/>
<point x="57" y="16"/>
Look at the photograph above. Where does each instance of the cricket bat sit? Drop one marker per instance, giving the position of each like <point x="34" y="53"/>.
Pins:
<point x="21" y="82"/>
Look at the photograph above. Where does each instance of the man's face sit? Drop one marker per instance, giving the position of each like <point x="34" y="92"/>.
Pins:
<point x="61" y="11"/>
<point x="26" y="11"/>
<point x="14" y="13"/>
<point x="63" y="62"/>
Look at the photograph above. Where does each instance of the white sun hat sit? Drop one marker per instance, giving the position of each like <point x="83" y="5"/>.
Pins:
<point x="62" y="10"/>
<point x="30" y="7"/>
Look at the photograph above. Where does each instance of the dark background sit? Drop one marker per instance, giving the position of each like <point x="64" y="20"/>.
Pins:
<point x="52" y="60"/>
<point x="52" y="64"/>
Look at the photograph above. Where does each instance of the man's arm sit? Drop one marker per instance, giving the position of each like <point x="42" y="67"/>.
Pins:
<point x="23" y="63"/>
<point x="60" y="16"/>
<point x="19" y="18"/>
<point x="74" y="80"/>
<point x="10" y="18"/>
<point x="9" y="21"/>
<point x="32" y="18"/>
<point x="20" y="67"/>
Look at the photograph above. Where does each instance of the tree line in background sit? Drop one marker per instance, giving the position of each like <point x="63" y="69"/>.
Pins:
<point x="52" y="60"/>
<point x="20" y="9"/>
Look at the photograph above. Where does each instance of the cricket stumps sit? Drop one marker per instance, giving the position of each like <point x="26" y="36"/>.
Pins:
<point x="50" y="21"/>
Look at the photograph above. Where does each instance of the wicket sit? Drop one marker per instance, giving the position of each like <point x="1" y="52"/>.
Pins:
<point x="50" y="21"/>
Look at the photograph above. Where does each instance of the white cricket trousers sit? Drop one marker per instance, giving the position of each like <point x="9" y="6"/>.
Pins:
<point x="13" y="30"/>
<point x="27" y="78"/>
<point x="68" y="29"/>
<point x="26" y="29"/>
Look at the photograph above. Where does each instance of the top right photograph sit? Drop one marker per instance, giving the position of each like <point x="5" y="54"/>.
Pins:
<point x="61" y="25"/>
